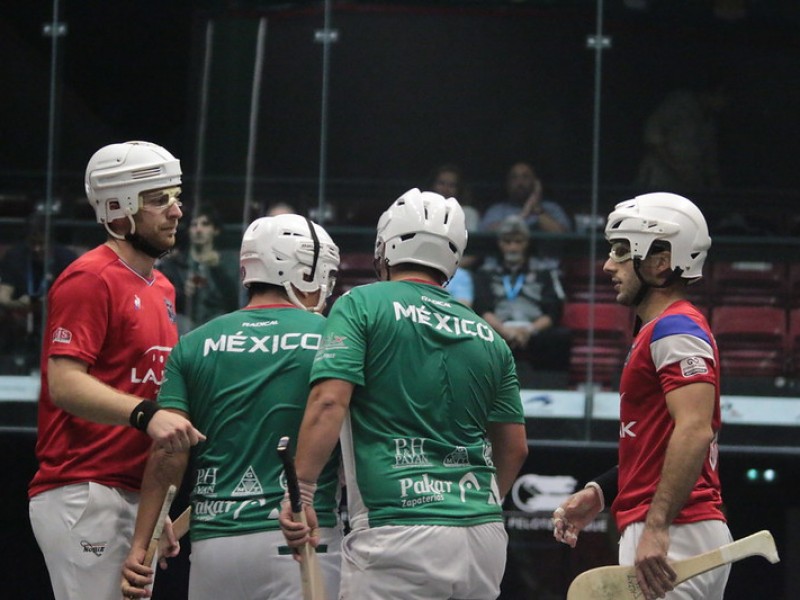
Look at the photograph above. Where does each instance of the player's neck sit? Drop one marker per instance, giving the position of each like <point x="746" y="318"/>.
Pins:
<point x="135" y="259"/>
<point x="657" y="301"/>
<point x="202" y="252"/>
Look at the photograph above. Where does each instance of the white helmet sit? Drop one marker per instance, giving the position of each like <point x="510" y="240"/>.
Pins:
<point x="663" y="216"/>
<point x="118" y="173"/>
<point x="290" y="250"/>
<point x="422" y="228"/>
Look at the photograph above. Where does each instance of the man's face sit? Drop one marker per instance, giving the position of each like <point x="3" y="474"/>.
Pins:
<point x="627" y="284"/>
<point x="202" y="231"/>
<point x="446" y="184"/>
<point x="520" y="183"/>
<point x="158" y="216"/>
<point x="513" y="248"/>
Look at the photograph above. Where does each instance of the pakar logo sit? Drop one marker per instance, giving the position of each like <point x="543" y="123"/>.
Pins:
<point x="62" y="336"/>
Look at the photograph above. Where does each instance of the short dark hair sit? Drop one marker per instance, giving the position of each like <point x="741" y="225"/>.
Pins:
<point x="210" y="213"/>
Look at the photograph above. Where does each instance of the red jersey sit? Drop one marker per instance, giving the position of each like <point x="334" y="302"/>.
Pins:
<point x="673" y="350"/>
<point x="123" y="326"/>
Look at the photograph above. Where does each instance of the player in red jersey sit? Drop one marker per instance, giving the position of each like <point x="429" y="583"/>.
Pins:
<point x="666" y="490"/>
<point x="110" y="328"/>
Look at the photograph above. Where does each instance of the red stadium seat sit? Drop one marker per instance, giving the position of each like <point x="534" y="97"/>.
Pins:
<point x="612" y="325"/>
<point x="794" y="285"/>
<point x="751" y="339"/>
<point x="755" y="283"/>
<point x="793" y="342"/>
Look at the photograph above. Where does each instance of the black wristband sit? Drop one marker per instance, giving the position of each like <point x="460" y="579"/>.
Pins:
<point x="141" y="415"/>
<point x="608" y="483"/>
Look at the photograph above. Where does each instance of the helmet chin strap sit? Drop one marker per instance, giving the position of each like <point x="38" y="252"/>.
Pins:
<point x="646" y="285"/>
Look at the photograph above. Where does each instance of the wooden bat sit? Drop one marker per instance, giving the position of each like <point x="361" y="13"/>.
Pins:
<point x="180" y="526"/>
<point x="619" y="583"/>
<point x="152" y="548"/>
<point x="310" y="573"/>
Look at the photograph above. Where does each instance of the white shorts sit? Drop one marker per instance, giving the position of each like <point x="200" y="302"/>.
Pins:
<point x="424" y="562"/>
<point x="258" y="566"/>
<point x="84" y="531"/>
<point x="685" y="541"/>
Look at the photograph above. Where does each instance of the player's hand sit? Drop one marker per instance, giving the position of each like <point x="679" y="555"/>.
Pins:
<point x="297" y="533"/>
<point x="575" y="513"/>
<point x="172" y="432"/>
<point x="534" y="200"/>
<point x="653" y="572"/>
<point x="168" y="546"/>
<point x="136" y="576"/>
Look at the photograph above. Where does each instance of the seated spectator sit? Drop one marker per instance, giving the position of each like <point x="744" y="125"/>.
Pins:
<point x="280" y="208"/>
<point x="525" y="200"/>
<point x="206" y="279"/>
<point x="461" y="286"/>
<point x="521" y="297"/>
<point x="23" y="285"/>
<point x="448" y="180"/>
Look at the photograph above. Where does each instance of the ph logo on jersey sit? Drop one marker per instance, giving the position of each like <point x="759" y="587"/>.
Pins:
<point x="694" y="365"/>
<point x="62" y="336"/>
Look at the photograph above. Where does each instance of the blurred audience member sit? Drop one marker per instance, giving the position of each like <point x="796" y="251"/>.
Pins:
<point x="680" y="139"/>
<point x="280" y="208"/>
<point x="23" y="285"/>
<point x="461" y="286"/>
<point x="522" y="298"/>
<point x="525" y="200"/>
<point x="206" y="279"/>
<point x="448" y="180"/>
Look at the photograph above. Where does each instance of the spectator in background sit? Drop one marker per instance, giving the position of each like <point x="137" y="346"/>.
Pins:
<point x="206" y="279"/>
<point x="525" y="200"/>
<point x="680" y="139"/>
<point x="448" y="180"/>
<point x="280" y="208"/>
<point x="23" y="285"/>
<point x="521" y="297"/>
<point x="462" y="287"/>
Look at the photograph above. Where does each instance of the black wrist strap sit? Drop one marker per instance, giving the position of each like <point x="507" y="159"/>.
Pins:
<point x="608" y="483"/>
<point x="142" y="414"/>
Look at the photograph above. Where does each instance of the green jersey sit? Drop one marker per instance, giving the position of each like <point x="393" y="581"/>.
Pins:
<point x="243" y="380"/>
<point x="429" y="376"/>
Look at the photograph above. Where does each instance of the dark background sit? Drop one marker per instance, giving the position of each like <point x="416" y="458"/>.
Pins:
<point x="412" y="85"/>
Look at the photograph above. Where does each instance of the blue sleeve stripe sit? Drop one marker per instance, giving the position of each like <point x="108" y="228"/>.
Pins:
<point x="678" y="325"/>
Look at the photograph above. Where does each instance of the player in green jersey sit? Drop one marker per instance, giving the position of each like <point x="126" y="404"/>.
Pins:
<point x="244" y="377"/>
<point x="426" y="396"/>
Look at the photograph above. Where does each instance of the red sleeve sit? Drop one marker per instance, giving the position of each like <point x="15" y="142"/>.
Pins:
<point x="78" y="320"/>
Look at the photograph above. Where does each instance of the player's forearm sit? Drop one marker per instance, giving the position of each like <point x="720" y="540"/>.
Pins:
<point x="686" y="451"/>
<point x="163" y="469"/>
<point x="85" y="396"/>
<point x="325" y="412"/>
